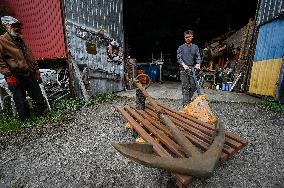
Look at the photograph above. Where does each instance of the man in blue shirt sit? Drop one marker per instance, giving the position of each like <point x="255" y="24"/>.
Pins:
<point x="188" y="58"/>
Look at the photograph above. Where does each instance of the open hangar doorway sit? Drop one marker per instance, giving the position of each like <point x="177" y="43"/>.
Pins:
<point x="154" y="29"/>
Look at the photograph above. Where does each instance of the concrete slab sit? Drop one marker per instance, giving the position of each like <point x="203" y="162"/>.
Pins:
<point x="172" y="90"/>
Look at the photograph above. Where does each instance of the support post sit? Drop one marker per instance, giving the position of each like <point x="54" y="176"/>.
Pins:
<point x="140" y="100"/>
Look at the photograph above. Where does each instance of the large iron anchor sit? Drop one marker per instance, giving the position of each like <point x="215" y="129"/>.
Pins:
<point x="196" y="164"/>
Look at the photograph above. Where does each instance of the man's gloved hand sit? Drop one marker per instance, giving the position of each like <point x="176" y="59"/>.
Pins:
<point x="38" y="77"/>
<point x="11" y="80"/>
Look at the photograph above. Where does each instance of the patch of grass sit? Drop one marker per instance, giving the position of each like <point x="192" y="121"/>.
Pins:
<point x="272" y="105"/>
<point x="102" y="98"/>
<point x="62" y="111"/>
<point x="10" y="124"/>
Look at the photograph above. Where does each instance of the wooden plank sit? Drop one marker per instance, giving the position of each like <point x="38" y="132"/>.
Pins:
<point x="182" y="125"/>
<point x="146" y="121"/>
<point x="189" y="125"/>
<point x="81" y="83"/>
<point x="195" y="138"/>
<point x="181" y="179"/>
<point x="208" y="126"/>
<point x="230" y="138"/>
<point x="171" y="145"/>
<point x="154" y="122"/>
<point x="157" y="148"/>
<point x="198" y="126"/>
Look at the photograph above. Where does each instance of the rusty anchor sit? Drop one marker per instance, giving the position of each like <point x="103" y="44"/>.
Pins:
<point x="196" y="164"/>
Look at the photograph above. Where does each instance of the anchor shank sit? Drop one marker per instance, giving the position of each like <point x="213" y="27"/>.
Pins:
<point x="189" y="148"/>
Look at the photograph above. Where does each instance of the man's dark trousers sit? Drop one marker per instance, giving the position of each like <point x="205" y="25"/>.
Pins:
<point x="188" y="86"/>
<point x="30" y="85"/>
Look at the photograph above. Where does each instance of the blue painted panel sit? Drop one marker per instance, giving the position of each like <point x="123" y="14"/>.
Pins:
<point x="270" y="42"/>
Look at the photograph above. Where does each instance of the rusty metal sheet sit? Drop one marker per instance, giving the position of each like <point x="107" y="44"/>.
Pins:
<point x="43" y="29"/>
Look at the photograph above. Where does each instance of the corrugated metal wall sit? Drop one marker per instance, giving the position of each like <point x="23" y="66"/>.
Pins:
<point x="269" y="10"/>
<point x="270" y="42"/>
<point x="43" y="29"/>
<point x="280" y="89"/>
<point x="83" y="21"/>
<point x="268" y="59"/>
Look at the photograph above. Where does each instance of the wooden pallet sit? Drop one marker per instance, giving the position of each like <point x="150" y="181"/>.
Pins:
<point x="147" y="125"/>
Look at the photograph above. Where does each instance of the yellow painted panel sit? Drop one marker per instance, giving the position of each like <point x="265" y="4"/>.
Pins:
<point x="253" y="80"/>
<point x="264" y="77"/>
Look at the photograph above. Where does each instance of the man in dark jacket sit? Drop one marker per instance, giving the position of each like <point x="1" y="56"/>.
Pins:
<point x="188" y="58"/>
<point x="20" y="69"/>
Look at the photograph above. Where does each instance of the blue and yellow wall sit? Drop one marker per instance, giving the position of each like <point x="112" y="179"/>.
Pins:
<point x="268" y="59"/>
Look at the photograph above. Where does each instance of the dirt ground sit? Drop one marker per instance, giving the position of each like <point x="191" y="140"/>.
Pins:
<point x="79" y="153"/>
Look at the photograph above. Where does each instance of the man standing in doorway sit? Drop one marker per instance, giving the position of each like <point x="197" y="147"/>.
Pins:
<point x="188" y="58"/>
<point x="20" y="69"/>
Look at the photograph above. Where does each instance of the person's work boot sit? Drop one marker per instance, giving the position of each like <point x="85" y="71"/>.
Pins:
<point x="41" y="110"/>
<point x="185" y="100"/>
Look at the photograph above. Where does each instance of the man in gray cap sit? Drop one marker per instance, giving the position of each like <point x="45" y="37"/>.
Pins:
<point x="20" y="69"/>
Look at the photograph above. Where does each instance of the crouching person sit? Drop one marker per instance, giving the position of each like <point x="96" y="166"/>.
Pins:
<point x="20" y="69"/>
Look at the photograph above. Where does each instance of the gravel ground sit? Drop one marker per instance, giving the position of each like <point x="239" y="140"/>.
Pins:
<point x="172" y="90"/>
<point x="79" y="154"/>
